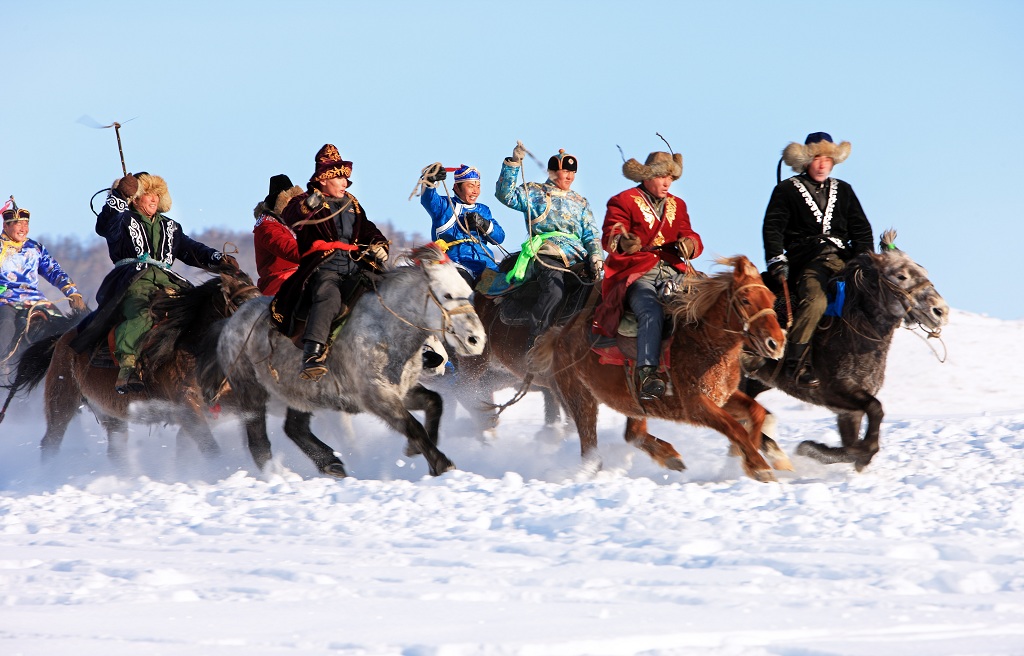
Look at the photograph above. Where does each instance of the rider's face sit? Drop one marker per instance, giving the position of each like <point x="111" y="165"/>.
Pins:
<point x="146" y="204"/>
<point x="468" y="191"/>
<point x="335" y="187"/>
<point x="658" y="187"/>
<point x="563" y="179"/>
<point x="17" y="230"/>
<point x="820" y="168"/>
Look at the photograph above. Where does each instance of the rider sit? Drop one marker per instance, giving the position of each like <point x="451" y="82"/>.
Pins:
<point x="22" y="261"/>
<point x="812" y="226"/>
<point x="336" y="241"/>
<point x="143" y="243"/>
<point x="461" y="223"/>
<point x="561" y="233"/>
<point x="277" y="254"/>
<point x="649" y="240"/>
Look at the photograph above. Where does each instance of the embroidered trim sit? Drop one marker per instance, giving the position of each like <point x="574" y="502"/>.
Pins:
<point x="117" y="204"/>
<point x="824" y="220"/>
<point x="778" y="258"/>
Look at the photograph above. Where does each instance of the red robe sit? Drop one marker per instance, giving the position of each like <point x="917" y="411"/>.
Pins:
<point x="277" y="254"/>
<point x="631" y="212"/>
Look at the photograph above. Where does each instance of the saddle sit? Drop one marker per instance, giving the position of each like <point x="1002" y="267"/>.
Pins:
<point x="835" y="291"/>
<point x="297" y="326"/>
<point x="514" y="307"/>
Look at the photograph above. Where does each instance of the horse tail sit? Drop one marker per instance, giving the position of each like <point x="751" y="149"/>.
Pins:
<point x="209" y="373"/>
<point x="31" y="369"/>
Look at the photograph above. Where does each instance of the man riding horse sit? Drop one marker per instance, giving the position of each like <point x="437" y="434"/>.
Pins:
<point x="561" y="232"/>
<point x="22" y="262"/>
<point x="336" y="242"/>
<point x="649" y="241"/>
<point x="813" y="225"/>
<point x="143" y="243"/>
<point x="277" y="254"/>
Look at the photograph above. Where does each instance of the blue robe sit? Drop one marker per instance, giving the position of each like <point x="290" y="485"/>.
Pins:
<point x="465" y="248"/>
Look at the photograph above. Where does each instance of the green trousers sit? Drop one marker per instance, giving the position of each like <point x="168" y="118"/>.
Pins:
<point x="137" y="321"/>
<point x="813" y="296"/>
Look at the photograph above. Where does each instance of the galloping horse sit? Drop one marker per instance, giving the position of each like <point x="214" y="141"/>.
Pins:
<point x="172" y="393"/>
<point x="714" y="318"/>
<point x="373" y="366"/>
<point x="883" y="290"/>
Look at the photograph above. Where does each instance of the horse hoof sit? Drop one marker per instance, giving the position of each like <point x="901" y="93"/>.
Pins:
<point x="764" y="476"/>
<point x="334" y="470"/>
<point x="445" y="465"/>
<point x="675" y="464"/>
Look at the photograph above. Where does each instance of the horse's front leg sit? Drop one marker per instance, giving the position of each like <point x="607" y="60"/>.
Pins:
<point x="256" y="436"/>
<point x="393" y="411"/>
<point x="758" y="422"/>
<point x="660" y="451"/>
<point x="297" y="427"/>
<point x="870" y="445"/>
<point x="117" y="442"/>
<point x="432" y="405"/>
<point x="193" y="423"/>
<point x="747" y="441"/>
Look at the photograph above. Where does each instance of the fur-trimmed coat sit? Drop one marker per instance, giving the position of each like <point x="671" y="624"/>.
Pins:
<point x="796" y="229"/>
<point x="317" y="235"/>
<point x="632" y="211"/>
<point x="277" y="252"/>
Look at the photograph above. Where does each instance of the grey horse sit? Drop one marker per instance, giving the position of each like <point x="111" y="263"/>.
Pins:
<point x="374" y="364"/>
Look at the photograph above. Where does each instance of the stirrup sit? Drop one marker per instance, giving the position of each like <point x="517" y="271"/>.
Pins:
<point x="129" y="382"/>
<point x="313" y="356"/>
<point x="650" y="387"/>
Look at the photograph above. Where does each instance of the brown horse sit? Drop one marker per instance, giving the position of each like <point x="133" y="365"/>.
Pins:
<point x="169" y="364"/>
<point x="714" y="318"/>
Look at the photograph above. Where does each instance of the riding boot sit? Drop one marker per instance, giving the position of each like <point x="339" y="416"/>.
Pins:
<point x="129" y="381"/>
<point x="649" y="385"/>
<point x="798" y="366"/>
<point x="313" y="357"/>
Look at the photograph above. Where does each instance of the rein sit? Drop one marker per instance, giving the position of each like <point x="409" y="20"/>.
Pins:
<point x="747" y="320"/>
<point x="446" y="327"/>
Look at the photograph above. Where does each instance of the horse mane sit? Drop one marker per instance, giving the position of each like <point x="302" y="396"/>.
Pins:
<point x="176" y="316"/>
<point x="699" y="294"/>
<point x="888" y="240"/>
<point x="427" y="253"/>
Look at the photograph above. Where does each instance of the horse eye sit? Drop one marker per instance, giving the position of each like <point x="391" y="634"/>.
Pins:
<point x="901" y="277"/>
<point x="448" y="297"/>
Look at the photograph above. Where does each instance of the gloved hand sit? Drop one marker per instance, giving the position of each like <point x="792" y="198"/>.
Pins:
<point x="780" y="271"/>
<point x="686" y="247"/>
<point x="596" y="266"/>
<point x="477" y="223"/>
<point x="78" y="303"/>
<point x="228" y="264"/>
<point x="127" y="186"/>
<point x="378" y="253"/>
<point x="629" y="243"/>
<point x="314" y="200"/>
<point x="438" y="175"/>
<point x="518" y="153"/>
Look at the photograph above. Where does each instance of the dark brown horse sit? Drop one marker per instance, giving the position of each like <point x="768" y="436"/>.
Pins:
<point x="714" y="318"/>
<point x="169" y="364"/>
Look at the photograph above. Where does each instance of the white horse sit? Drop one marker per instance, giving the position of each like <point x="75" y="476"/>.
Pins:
<point x="374" y="364"/>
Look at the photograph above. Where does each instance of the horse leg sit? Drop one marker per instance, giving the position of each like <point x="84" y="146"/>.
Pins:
<point x="582" y="407"/>
<point x="256" y="436"/>
<point x="60" y="403"/>
<point x="660" y="451"/>
<point x="552" y="409"/>
<point x="776" y="457"/>
<point x="296" y="427"/>
<point x="194" y="425"/>
<point x="870" y="446"/>
<point x="398" y="417"/>
<point x="854" y="451"/>
<point x="746" y="440"/>
<point x="117" y="442"/>
<point x="420" y="398"/>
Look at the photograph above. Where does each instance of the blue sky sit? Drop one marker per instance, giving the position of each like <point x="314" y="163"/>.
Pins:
<point x="225" y="95"/>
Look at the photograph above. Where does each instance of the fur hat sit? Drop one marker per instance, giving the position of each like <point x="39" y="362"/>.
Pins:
<point x="329" y="164"/>
<point x="658" y="163"/>
<point x="154" y="184"/>
<point x="562" y="161"/>
<point x="798" y="157"/>
<point x="278" y="183"/>
<point x="284" y="197"/>
<point x="14" y="215"/>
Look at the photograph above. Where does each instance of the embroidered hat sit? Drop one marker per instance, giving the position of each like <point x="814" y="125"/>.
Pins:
<point x="278" y="183"/>
<point x="13" y="215"/>
<point x="466" y="174"/>
<point x="329" y="164"/>
<point x="562" y="161"/>
<point x="658" y="163"/>
<point x="798" y="157"/>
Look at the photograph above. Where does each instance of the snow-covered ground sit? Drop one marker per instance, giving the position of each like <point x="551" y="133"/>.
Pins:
<point x="522" y="552"/>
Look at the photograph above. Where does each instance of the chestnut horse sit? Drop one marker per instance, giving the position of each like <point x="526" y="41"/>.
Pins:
<point x="714" y="318"/>
<point x="172" y="393"/>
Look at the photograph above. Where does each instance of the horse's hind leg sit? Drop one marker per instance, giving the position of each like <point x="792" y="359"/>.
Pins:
<point x="552" y="408"/>
<point x="195" y="426"/>
<point x="61" y="400"/>
<point x="297" y="427"/>
<point x="581" y="406"/>
<point x="256" y="436"/>
<point x="432" y="405"/>
<point x="660" y="451"/>
<point x="117" y="442"/>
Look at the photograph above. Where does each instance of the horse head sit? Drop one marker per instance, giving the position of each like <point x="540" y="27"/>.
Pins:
<point x="738" y="299"/>
<point x="235" y="288"/>
<point x="914" y="296"/>
<point x="461" y="327"/>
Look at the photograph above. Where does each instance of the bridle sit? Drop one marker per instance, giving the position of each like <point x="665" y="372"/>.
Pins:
<point x="459" y="305"/>
<point x="736" y="307"/>
<point x="906" y="300"/>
